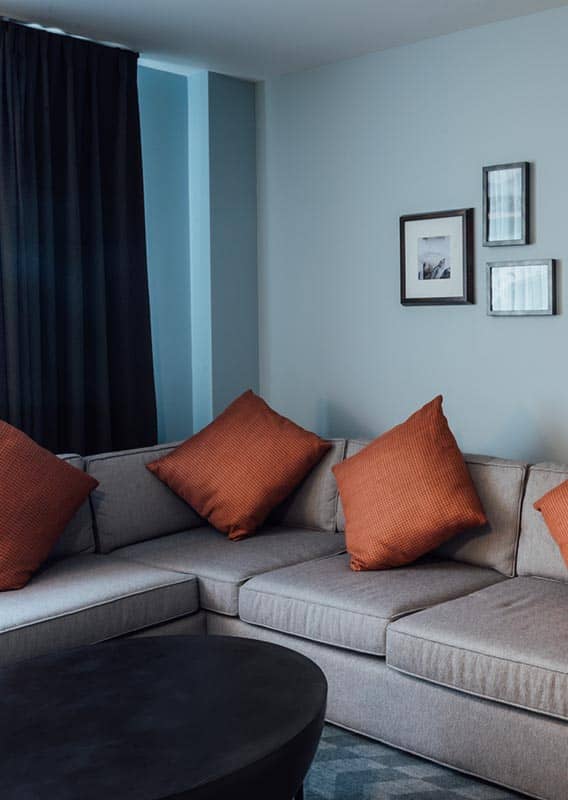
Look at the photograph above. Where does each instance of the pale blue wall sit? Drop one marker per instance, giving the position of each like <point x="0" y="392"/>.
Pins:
<point x="164" y="125"/>
<point x="343" y="151"/>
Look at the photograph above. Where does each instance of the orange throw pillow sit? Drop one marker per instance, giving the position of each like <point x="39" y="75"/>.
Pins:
<point x="406" y="492"/>
<point x="39" y="494"/>
<point x="242" y="465"/>
<point x="554" y="508"/>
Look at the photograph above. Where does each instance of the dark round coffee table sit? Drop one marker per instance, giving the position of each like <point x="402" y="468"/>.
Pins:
<point x="197" y="717"/>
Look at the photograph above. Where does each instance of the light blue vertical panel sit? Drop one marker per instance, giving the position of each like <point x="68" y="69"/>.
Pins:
<point x="163" y="118"/>
<point x="200" y="248"/>
<point x="234" y="291"/>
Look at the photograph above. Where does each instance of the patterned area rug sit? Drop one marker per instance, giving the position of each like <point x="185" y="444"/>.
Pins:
<point x="350" y="767"/>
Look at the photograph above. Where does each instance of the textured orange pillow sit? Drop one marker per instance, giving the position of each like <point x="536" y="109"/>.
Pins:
<point x="554" y="508"/>
<point x="39" y="494"/>
<point x="406" y="492"/>
<point x="242" y="465"/>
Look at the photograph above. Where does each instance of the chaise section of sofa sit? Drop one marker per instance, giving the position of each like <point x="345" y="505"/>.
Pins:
<point x="79" y="597"/>
<point x="86" y="599"/>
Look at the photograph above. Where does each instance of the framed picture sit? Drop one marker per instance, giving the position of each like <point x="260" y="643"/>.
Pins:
<point x="521" y="288"/>
<point x="506" y="204"/>
<point x="436" y="258"/>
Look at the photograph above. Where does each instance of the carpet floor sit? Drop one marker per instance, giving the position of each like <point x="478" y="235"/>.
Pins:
<point x="350" y="767"/>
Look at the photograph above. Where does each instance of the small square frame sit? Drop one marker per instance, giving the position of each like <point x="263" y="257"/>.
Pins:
<point x="551" y="308"/>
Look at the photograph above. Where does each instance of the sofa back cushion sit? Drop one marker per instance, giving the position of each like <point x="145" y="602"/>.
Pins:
<point x="130" y="504"/>
<point x="78" y="536"/>
<point x="539" y="554"/>
<point x="499" y="484"/>
<point x="313" y="504"/>
<point x="352" y="447"/>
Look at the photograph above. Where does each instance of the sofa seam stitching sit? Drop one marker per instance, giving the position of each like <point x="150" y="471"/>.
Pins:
<point x="110" y="601"/>
<point x="239" y="581"/>
<point x="177" y="570"/>
<point x="320" y="605"/>
<point x="534" y="709"/>
<point x="317" y="640"/>
<point x="476" y="652"/>
<point x="388" y="620"/>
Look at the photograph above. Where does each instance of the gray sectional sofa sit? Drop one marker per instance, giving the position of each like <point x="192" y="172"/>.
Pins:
<point x="461" y="658"/>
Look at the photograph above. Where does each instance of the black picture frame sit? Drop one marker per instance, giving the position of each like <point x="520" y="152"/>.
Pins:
<point x="524" y="217"/>
<point x="465" y="269"/>
<point x="551" y="306"/>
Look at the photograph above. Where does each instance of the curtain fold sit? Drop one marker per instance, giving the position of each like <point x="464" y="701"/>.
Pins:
<point x="76" y="369"/>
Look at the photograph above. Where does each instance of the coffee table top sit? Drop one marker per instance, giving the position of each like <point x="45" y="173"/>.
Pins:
<point x="155" y="717"/>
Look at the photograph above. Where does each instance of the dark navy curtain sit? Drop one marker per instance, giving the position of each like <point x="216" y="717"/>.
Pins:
<point x="75" y="345"/>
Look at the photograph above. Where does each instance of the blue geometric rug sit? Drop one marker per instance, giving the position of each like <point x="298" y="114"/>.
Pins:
<point x="350" y="767"/>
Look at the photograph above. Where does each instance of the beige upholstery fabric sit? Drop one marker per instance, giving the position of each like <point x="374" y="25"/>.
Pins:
<point x="222" y="566"/>
<point x="500" y="485"/>
<point x="352" y="447"/>
<point x="326" y="601"/>
<point x="538" y="552"/>
<point x="515" y="748"/>
<point x="193" y="625"/>
<point x="132" y="505"/>
<point x="314" y="503"/>
<point x="88" y="598"/>
<point x="78" y="537"/>
<point x="508" y="643"/>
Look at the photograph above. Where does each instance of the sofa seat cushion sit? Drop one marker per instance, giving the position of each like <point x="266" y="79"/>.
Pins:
<point x="88" y="598"/>
<point x="506" y="643"/>
<point x="327" y="602"/>
<point x="222" y="566"/>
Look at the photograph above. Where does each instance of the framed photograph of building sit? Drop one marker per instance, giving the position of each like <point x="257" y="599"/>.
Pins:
<point x="436" y="258"/>
<point x="506" y="204"/>
<point x="521" y="288"/>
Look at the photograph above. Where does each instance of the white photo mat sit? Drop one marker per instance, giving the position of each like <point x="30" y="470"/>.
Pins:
<point x="442" y="227"/>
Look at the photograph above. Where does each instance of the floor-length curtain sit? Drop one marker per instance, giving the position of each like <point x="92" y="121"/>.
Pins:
<point x="75" y="345"/>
